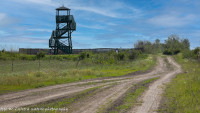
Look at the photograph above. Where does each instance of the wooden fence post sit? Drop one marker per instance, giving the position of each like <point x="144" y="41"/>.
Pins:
<point x="12" y="66"/>
<point x="39" y="64"/>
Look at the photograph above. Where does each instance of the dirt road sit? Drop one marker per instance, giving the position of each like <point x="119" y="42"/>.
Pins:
<point x="152" y="97"/>
<point x="107" y="95"/>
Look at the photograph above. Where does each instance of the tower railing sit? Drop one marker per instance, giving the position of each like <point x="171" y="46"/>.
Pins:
<point x="63" y="33"/>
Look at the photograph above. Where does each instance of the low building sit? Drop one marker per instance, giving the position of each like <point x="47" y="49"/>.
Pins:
<point x="34" y="51"/>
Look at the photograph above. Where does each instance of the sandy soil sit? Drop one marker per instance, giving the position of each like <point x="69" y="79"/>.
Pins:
<point x="92" y="104"/>
<point x="152" y="97"/>
<point x="102" y="99"/>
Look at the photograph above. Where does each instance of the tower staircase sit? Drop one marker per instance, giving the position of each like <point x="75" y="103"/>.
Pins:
<point x="61" y="37"/>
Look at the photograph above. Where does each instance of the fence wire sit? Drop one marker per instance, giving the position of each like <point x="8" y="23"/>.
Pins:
<point x="7" y="67"/>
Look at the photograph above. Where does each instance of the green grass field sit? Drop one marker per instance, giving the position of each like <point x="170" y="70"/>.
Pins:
<point x="27" y="74"/>
<point x="182" y="94"/>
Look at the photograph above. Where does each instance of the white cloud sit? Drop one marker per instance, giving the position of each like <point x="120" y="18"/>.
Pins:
<point x="171" y="20"/>
<point x="40" y="2"/>
<point x="103" y="12"/>
<point x="6" y="20"/>
<point x="116" y="10"/>
<point x="24" y="39"/>
<point x="2" y="16"/>
<point x="92" y="26"/>
<point x="40" y="30"/>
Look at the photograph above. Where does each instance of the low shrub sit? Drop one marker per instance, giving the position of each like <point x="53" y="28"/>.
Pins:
<point x="176" y="51"/>
<point x="120" y="56"/>
<point x="194" y="54"/>
<point x="40" y="55"/>
<point x="167" y="52"/>
<point x="188" y="54"/>
<point x="82" y="55"/>
<point x="134" y="54"/>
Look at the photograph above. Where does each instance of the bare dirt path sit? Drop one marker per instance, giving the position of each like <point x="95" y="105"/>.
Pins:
<point x="89" y="105"/>
<point x="102" y="99"/>
<point x="152" y="97"/>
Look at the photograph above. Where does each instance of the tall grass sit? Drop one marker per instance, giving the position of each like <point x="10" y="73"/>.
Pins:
<point x="19" y="56"/>
<point x="182" y="94"/>
<point x="28" y="74"/>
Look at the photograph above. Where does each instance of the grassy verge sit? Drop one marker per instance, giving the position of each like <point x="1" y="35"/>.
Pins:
<point x="182" y="94"/>
<point x="27" y="75"/>
<point x="128" y="100"/>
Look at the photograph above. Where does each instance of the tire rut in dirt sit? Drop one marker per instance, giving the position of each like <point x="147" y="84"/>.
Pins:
<point x="120" y="105"/>
<point x="152" y="97"/>
<point x="39" y="95"/>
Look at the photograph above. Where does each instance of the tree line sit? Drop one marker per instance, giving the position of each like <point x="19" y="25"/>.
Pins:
<point x="172" y="46"/>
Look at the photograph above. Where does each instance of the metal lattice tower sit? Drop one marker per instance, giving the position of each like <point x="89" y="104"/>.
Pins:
<point x="61" y="37"/>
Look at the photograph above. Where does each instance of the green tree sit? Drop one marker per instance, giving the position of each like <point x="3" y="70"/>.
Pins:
<point x="185" y="44"/>
<point x="175" y="45"/>
<point x="157" y="46"/>
<point x="144" y="46"/>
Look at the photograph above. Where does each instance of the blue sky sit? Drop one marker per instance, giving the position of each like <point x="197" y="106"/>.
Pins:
<point x="100" y="23"/>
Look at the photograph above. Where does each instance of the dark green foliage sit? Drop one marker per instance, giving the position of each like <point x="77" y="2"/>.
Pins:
<point x="111" y="57"/>
<point x="11" y="56"/>
<point x="40" y="55"/>
<point x="18" y="56"/>
<point x="171" y="51"/>
<point x="104" y="58"/>
<point x="88" y="55"/>
<point x="167" y="52"/>
<point x="120" y="56"/>
<point x="134" y="54"/>
<point x="176" y="51"/>
<point x="143" y="56"/>
<point x="61" y="57"/>
<point x="192" y="54"/>
<point x="185" y="44"/>
<point x="144" y="46"/>
<point x="3" y="50"/>
<point x="188" y="54"/>
<point x="82" y="55"/>
<point x="173" y="42"/>
<point x="148" y="47"/>
<point x="196" y="51"/>
<point x="174" y="45"/>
